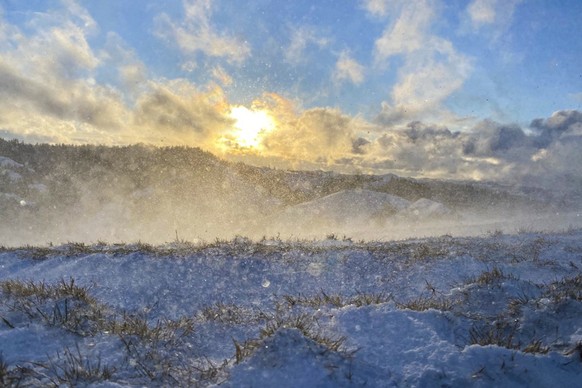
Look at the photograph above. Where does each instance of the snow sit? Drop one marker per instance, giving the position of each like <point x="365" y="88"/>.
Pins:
<point x="426" y="208"/>
<point x="9" y="163"/>
<point x="449" y="312"/>
<point x="349" y="204"/>
<point x="346" y="209"/>
<point x="7" y="167"/>
<point x="13" y="176"/>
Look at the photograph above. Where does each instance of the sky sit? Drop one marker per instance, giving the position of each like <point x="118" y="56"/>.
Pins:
<point x="474" y="89"/>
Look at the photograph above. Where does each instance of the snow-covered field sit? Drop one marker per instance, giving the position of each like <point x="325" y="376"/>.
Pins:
<point x="498" y="310"/>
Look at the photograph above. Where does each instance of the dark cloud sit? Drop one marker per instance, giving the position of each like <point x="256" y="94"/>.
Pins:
<point x="417" y="130"/>
<point x="359" y="146"/>
<point x="164" y="110"/>
<point x="550" y="129"/>
<point x="491" y="138"/>
<point x="15" y="87"/>
<point x="490" y="151"/>
<point x="70" y="101"/>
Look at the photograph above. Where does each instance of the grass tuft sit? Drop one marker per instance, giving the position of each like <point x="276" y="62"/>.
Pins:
<point x="568" y="288"/>
<point x="499" y="334"/>
<point x="427" y="251"/>
<point x="423" y="303"/>
<point x="74" y="369"/>
<point x="493" y="276"/>
<point x="232" y="314"/>
<point x="337" y="301"/>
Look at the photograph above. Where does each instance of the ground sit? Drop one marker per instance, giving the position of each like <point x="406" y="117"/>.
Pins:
<point x="501" y="309"/>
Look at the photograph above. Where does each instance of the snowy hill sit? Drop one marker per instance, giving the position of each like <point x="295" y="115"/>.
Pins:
<point x="9" y="169"/>
<point x="348" y="205"/>
<point x="503" y="310"/>
<point x="425" y="208"/>
<point x="346" y="209"/>
<point x="60" y="193"/>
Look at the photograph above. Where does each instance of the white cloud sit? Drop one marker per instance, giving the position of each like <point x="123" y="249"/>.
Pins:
<point x="348" y="69"/>
<point x="495" y="15"/>
<point x="408" y="33"/>
<point x="189" y="66"/>
<point x="376" y="7"/>
<point x="383" y="8"/>
<point x="301" y="38"/>
<point x="482" y="12"/>
<point x="131" y="72"/>
<point x="432" y="70"/>
<point x="196" y="34"/>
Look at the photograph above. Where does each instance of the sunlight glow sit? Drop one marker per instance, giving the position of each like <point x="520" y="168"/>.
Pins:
<point x="250" y="125"/>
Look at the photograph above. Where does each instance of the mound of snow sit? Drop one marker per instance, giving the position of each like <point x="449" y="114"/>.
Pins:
<point x="343" y="211"/>
<point x="8" y="167"/>
<point x="426" y="208"/>
<point x="288" y="359"/>
<point x="349" y="205"/>
<point x="9" y="163"/>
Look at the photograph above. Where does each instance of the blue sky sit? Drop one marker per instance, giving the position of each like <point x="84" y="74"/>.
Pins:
<point x="352" y="78"/>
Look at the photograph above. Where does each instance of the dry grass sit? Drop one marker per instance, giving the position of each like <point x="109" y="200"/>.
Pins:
<point x="74" y="369"/>
<point x="423" y="303"/>
<point x="337" y="301"/>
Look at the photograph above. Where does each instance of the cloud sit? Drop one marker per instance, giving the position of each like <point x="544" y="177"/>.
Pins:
<point x="348" y="69"/>
<point x="417" y="150"/>
<point x="560" y="124"/>
<point x="58" y="50"/>
<point x="318" y="135"/>
<point x="195" y="34"/>
<point x="359" y="145"/>
<point x="219" y="74"/>
<point x="427" y="78"/>
<point x="132" y="74"/>
<point x="301" y="38"/>
<point x="495" y="15"/>
<point x="408" y="33"/>
<point x="546" y="154"/>
<point x="78" y="101"/>
<point x="490" y="138"/>
<point x="376" y="8"/>
<point x="47" y="76"/>
<point x="488" y="151"/>
<point x="55" y="86"/>
<point x="563" y="157"/>
<point x="49" y="90"/>
<point x="432" y="70"/>
<point x="180" y="113"/>
<point x="482" y="12"/>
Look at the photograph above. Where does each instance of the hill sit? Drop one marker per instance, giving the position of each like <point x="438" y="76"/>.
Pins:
<point x="60" y="193"/>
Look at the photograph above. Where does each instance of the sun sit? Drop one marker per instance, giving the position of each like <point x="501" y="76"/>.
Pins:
<point x="250" y="125"/>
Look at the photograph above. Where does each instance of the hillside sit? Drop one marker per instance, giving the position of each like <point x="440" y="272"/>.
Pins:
<point x="60" y="193"/>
